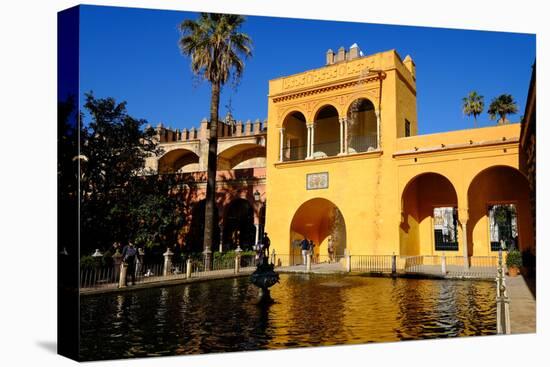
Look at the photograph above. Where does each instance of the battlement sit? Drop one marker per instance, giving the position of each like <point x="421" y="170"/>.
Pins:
<point x="227" y="128"/>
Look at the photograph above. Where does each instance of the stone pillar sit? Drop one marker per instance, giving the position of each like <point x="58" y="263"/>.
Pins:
<point x="257" y="238"/>
<point x="348" y="260"/>
<point x="281" y="143"/>
<point x="394" y="264"/>
<point x="341" y="120"/>
<point x="308" y="261"/>
<point x="167" y="262"/>
<point x="377" y="129"/>
<point x="117" y="261"/>
<point x="346" y="134"/>
<point x="463" y="217"/>
<point x="312" y="149"/>
<point x="189" y="268"/>
<point x="123" y="271"/>
<point x="238" y="260"/>
<point x="308" y="146"/>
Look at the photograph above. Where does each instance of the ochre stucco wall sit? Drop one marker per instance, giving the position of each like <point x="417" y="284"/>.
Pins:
<point x="368" y="188"/>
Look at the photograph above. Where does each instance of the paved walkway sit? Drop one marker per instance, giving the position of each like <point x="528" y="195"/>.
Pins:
<point x="523" y="317"/>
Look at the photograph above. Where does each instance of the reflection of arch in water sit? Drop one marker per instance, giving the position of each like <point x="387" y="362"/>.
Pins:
<point x="497" y="185"/>
<point x="238" y="225"/>
<point x="317" y="219"/>
<point x="178" y="160"/>
<point x="420" y="196"/>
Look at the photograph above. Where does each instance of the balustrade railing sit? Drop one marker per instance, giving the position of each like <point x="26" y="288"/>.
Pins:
<point x="449" y="266"/>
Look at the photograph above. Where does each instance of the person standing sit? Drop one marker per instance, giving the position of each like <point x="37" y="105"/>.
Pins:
<point x="267" y="243"/>
<point x="305" y="247"/>
<point x="129" y="258"/>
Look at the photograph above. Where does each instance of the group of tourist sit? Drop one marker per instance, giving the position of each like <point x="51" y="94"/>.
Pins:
<point x="308" y="247"/>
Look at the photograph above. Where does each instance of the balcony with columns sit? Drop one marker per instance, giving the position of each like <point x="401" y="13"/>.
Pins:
<point x="330" y="134"/>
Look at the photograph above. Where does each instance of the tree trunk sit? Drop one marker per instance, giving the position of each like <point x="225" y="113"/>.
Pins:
<point x="209" y="220"/>
<point x="475" y="122"/>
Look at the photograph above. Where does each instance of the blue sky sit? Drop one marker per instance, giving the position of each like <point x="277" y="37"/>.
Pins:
<point x="133" y="55"/>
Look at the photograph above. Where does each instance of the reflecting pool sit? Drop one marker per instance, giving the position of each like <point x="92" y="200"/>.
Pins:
<point x="310" y="310"/>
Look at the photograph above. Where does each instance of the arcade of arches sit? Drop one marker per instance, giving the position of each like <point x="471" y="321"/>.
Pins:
<point x="498" y="210"/>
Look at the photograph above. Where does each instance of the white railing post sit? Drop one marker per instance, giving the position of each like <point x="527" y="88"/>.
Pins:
<point x="348" y="260"/>
<point x="443" y="265"/>
<point x="308" y="261"/>
<point x="167" y="262"/>
<point x="189" y="268"/>
<point x="122" y="278"/>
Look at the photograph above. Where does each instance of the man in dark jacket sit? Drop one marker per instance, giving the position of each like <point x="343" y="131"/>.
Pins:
<point x="129" y="257"/>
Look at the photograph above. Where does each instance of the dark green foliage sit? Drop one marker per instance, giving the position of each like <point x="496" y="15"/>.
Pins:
<point x="119" y="201"/>
<point x="502" y="106"/>
<point x="514" y="258"/>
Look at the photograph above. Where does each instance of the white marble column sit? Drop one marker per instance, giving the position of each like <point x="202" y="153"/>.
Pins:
<point x="312" y="149"/>
<point x="341" y="135"/>
<point x="346" y="134"/>
<point x="309" y="141"/>
<point x="281" y="143"/>
<point x="378" y="129"/>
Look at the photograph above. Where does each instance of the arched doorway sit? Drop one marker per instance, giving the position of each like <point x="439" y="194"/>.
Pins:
<point x="362" y="126"/>
<point x="178" y="160"/>
<point x="498" y="206"/>
<point x="429" y="218"/>
<point x="238" y="225"/>
<point x="294" y="137"/>
<point x="326" y="139"/>
<point x="316" y="220"/>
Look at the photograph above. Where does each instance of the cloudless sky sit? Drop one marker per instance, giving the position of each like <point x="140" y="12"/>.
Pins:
<point x="133" y="55"/>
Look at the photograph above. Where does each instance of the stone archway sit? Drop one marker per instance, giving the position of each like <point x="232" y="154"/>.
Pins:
<point x="316" y="220"/>
<point x="238" y="225"/>
<point x="427" y="196"/>
<point x="326" y="139"/>
<point x="178" y="160"/>
<point x="362" y="126"/>
<point x="498" y="186"/>
<point x="294" y="139"/>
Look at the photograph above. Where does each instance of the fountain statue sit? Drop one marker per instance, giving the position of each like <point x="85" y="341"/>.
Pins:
<point x="264" y="276"/>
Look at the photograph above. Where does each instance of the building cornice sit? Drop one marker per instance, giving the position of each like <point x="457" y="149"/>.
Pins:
<point x="504" y="143"/>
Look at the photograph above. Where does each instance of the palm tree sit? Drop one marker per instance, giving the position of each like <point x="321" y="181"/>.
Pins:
<point x="472" y="105"/>
<point x="216" y="47"/>
<point x="502" y="105"/>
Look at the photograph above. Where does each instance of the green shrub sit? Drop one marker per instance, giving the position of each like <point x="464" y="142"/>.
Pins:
<point x="514" y="258"/>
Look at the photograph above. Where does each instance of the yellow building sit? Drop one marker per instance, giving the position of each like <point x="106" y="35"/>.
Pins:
<point x="344" y="161"/>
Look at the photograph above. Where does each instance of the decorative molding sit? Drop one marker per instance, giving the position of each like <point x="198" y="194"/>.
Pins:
<point x="325" y="88"/>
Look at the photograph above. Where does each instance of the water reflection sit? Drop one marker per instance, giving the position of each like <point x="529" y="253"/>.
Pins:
<point x="221" y="316"/>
